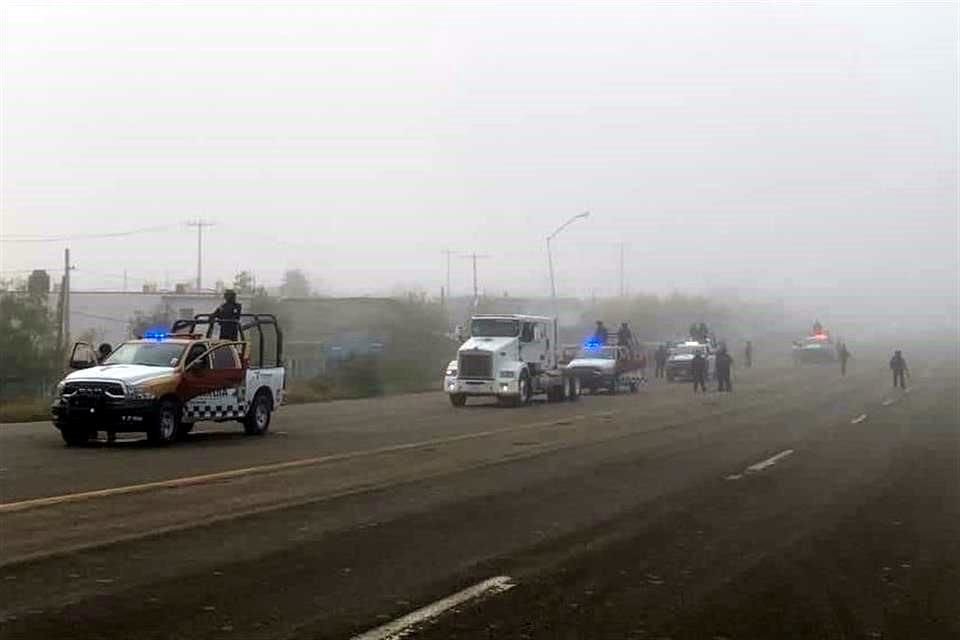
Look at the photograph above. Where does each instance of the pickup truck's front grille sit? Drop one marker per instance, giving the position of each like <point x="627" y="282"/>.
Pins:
<point x="93" y="389"/>
<point x="476" y="365"/>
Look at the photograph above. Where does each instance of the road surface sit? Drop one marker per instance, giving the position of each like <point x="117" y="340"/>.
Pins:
<point x="802" y="505"/>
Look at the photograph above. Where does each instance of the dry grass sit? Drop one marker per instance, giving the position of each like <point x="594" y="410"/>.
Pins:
<point x="25" y="410"/>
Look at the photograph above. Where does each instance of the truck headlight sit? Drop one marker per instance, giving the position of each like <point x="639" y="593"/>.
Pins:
<point x="140" y="393"/>
<point x="60" y="387"/>
<point x="451" y="371"/>
<point x="507" y="374"/>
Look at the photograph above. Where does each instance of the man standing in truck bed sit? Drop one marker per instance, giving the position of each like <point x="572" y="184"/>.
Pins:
<point x="229" y="315"/>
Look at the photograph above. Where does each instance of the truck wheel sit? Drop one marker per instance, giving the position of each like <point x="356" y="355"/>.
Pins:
<point x="258" y="417"/>
<point x="573" y="388"/>
<point x="523" y="386"/>
<point x="458" y="399"/>
<point x="75" y="437"/>
<point x="166" y="425"/>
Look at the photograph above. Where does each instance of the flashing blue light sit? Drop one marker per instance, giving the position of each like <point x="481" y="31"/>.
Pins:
<point x="155" y="334"/>
<point x="593" y="345"/>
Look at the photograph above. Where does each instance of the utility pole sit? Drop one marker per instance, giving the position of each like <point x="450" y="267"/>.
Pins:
<point x="66" y="297"/>
<point x="623" y="289"/>
<point x="124" y="280"/>
<point x="447" y="253"/>
<point x="199" y="223"/>
<point x="476" y="289"/>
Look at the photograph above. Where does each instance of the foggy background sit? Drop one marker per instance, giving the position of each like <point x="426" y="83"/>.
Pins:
<point x="806" y="151"/>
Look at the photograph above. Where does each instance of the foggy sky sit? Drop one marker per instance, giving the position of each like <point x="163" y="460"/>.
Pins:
<point x="807" y="149"/>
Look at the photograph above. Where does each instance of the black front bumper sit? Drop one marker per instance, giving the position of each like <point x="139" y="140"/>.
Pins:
<point x="680" y="371"/>
<point x="105" y="414"/>
<point x="593" y="379"/>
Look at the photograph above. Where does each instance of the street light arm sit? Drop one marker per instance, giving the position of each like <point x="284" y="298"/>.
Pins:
<point x="569" y="222"/>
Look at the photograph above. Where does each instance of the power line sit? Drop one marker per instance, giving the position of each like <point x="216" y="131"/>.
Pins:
<point x="8" y="237"/>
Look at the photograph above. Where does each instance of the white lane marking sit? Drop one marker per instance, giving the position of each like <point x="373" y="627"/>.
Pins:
<point x="769" y="462"/>
<point x="860" y="418"/>
<point x="888" y="402"/>
<point x="173" y="483"/>
<point x="401" y="627"/>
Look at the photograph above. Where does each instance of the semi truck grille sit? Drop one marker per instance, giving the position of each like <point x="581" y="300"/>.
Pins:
<point x="476" y="365"/>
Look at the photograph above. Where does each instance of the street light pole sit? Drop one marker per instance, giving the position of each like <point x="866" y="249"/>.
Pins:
<point x="553" y="282"/>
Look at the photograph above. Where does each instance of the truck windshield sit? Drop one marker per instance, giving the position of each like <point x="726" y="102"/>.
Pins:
<point x="151" y="354"/>
<point x="687" y="351"/>
<point x="494" y="328"/>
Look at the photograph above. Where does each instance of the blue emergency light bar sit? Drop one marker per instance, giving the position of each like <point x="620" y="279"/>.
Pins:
<point x="155" y="334"/>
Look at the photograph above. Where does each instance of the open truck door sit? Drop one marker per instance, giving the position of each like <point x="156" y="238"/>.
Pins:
<point x="82" y="356"/>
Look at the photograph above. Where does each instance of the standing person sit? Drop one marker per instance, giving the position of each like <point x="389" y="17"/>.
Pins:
<point x="898" y="365"/>
<point x="601" y="334"/>
<point x="844" y="355"/>
<point x="748" y="355"/>
<point x="229" y="312"/>
<point x="723" y="364"/>
<point x="660" y="357"/>
<point x="625" y="338"/>
<point x="698" y="371"/>
<point x="643" y="367"/>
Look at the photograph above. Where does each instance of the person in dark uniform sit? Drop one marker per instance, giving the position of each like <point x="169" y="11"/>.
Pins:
<point x="723" y="364"/>
<point x="601" y="334"/>
<point x="698" y="371"/>
<point x="898" y="365"/>
<point x="230" y="311"/>
<point x="625" y="338"/>
<point x="660" y="357"/>
<point x="844" y="355"/>
<point x="748" y="355"/>
<point x="817" y="328"/>
<point x="103" y="351"/>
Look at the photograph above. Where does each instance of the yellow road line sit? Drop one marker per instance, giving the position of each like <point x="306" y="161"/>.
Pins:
<point x="173" y="483"/>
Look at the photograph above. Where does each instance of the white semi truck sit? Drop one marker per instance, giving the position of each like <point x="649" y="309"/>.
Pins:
<point x="512" y="358"/>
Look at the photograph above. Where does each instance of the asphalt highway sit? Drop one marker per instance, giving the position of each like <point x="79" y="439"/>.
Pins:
<point x="801" y="505"/>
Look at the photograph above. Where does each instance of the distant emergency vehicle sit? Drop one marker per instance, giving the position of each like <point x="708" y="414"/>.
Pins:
<point x="680" y="359"/>
<point x="814" y="349"/>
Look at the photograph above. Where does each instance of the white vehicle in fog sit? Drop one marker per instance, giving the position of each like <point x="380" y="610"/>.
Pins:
<point x="680" y="360"/>
<point x="512" y="358"/>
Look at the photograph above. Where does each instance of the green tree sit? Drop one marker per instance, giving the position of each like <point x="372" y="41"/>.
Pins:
<point x="39" y="282"/>
<point x="243" y="283"/>
<point x="28" y="342"/>
<point x="140" y="323"/>
<point x="295" y="284"/>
